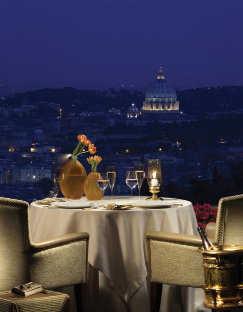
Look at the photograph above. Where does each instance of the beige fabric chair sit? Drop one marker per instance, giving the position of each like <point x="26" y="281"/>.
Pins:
<point x="174" y="259"/>
<point x="53" y="263"/>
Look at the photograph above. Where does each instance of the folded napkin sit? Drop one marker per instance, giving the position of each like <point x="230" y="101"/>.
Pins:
<point x="78" y="204"/>
<point x="28" y="289"/>
<point x="113" y="206"/>
<point x="153" y="204"/>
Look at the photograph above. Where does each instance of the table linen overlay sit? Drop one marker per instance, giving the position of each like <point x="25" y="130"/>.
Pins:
<point x="117" y="237"/>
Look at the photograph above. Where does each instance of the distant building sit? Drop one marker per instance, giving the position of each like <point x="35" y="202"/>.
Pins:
<point x="160" y="104"/>
<point x="18" y="140"/>
<point x="26" y="108"/>
<point x="28" y="173"/>
<point x="38" y="136"/>
<point x="133" y="111"/>
<point x="115" y="111"/>
<point x="160" y="100"/>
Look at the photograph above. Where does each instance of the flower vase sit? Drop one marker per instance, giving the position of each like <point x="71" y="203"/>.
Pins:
<point x="91" y="189"/>
<point x="71" y="180"/>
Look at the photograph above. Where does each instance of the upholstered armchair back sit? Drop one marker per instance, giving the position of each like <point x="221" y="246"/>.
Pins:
<point x="229" y="224"/>
<point x="14" y="238"/>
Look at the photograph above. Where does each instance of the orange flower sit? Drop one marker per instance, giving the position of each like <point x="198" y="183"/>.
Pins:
<point x="80" y="148"/>
<point x="82" y="138"/>
<point x="94" y="161"/>
<point x="97" y="159"/>
<point x="86" y="142"/>
<point x="92" y="149"/>
<point x="89" y="159"/>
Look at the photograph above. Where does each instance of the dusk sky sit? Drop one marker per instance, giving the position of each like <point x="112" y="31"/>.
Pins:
<point x="110" y="43"/>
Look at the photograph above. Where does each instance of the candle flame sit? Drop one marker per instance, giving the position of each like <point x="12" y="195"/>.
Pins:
<point x="154" y="174"/>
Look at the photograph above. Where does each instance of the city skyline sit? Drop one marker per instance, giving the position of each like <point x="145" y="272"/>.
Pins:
<point x="122" y="44"/>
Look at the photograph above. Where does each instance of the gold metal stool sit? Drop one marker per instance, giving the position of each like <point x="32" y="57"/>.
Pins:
<point x="223" y="272"/>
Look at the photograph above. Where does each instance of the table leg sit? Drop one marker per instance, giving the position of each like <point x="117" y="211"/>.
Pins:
<point x="80" y="297"/>
<point x="155" y="296"/>
<point x="93" y="280"/>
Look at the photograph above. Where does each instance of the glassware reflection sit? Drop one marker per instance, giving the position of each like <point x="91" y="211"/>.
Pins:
<point x="139" y="169"/>
<point x="111" y="175"/>
<point x="131" y="180"/>
<point x="103" y="181"/>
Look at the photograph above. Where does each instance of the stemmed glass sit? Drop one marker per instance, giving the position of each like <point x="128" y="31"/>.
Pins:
<point x="139" y="169"/>
<point x="102" y="181"/>
<point x="131" y="180"/>
<point x="111" y="175"/>
<point x="55" y="189"/>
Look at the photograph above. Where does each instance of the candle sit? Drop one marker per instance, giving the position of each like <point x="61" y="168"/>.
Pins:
<point x="154" y="181"/>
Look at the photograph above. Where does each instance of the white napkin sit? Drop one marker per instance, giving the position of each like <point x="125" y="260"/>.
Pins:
<point x="72" y="204"/>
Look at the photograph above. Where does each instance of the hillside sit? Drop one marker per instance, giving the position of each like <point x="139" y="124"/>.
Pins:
<point x="193" y="101"/>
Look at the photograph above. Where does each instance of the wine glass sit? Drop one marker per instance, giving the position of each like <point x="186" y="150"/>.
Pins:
<point x="55" y="189"/>
<point x="102" y="181"/>
<point x="131" y="180"/>
<point x="139" y="169"/>
<point x="111" y="175"/>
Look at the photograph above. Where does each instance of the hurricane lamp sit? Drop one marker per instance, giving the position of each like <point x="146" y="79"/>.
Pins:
<point x="154" y="177"/>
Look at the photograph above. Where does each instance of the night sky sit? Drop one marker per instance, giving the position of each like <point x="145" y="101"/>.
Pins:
<point x="113" y="43"/>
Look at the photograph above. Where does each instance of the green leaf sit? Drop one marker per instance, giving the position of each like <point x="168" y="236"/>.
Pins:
<point x="74" y="158"/>
<point x="78" y="149"/>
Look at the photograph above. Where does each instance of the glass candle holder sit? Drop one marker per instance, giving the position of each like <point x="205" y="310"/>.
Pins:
<point x="154" y="177"/>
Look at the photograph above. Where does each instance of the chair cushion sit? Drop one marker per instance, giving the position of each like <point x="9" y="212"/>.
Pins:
<point x="44" y="301"/>
<point x="176" y="264"/>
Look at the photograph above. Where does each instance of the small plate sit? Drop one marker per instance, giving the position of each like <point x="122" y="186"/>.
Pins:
<point x="48" y="201"/>
<point x="71" y="205"/>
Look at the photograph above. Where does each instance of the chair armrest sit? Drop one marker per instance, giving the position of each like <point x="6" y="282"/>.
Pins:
<point x="175" y="237"/>
<point x="59" y="240"/>
<point x="174" y="259"/>
<point x="210" y="230"/>
<point x="60" y="261"/>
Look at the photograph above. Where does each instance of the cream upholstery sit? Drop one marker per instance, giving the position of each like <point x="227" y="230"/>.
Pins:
<point x="171" y="261"/>
<point x="174" y="259"/>
<point x="229" y="229"/>
<point x="53" y="263"/>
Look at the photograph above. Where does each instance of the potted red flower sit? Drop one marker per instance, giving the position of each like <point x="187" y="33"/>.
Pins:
<point x="205" y="213"/>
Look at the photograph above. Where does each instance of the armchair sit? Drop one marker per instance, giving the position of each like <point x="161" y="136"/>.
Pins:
<point x="53" y="263"/>
<point x="173" y="258"/>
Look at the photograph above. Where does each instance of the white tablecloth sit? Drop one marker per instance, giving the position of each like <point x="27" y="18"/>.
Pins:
<point x="117" y="243"/>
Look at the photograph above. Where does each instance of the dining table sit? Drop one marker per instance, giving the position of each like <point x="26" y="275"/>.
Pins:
<point x="117" y="255"/>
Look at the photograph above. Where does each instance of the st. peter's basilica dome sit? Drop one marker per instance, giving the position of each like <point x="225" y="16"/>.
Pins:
<point x="160" y="97"/>
<point x="161" y="89"/>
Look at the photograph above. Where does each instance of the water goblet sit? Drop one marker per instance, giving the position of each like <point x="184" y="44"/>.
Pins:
<point x="131" y="180"/>
<point x="111" y="175"/>
<point x="139" y="169"/>
<point x="102" y="181"/>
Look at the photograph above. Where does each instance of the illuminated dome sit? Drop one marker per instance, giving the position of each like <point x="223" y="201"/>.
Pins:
<point x="160" y="89"/>
<point x="132" y="111"/>
<point x="160" y="97"/>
